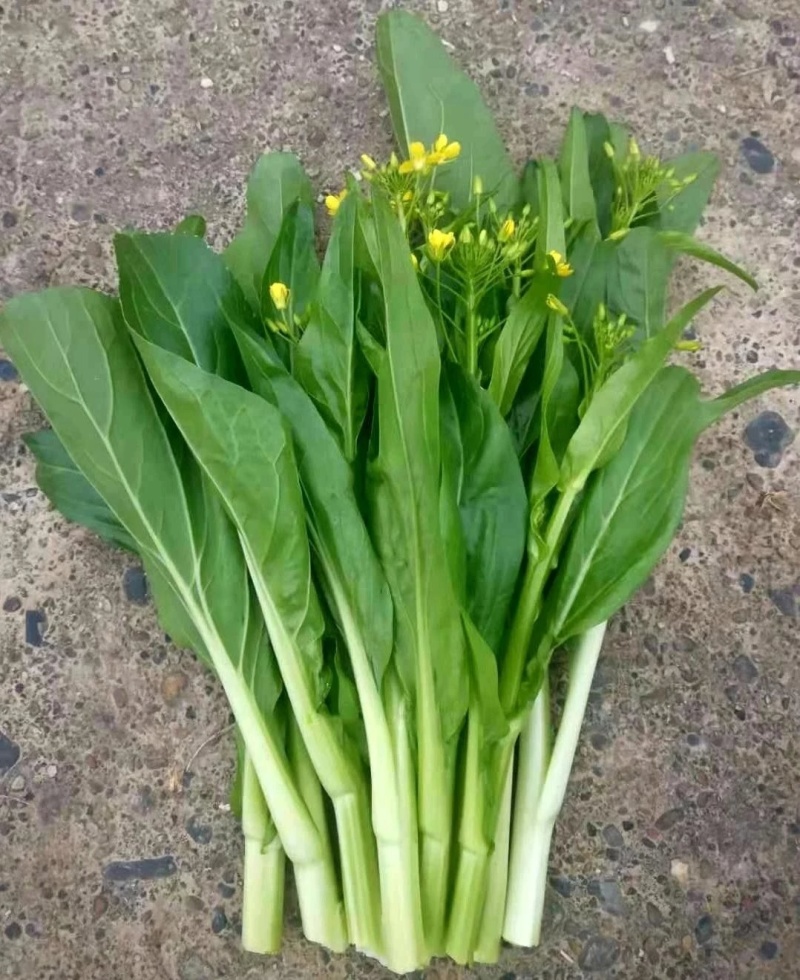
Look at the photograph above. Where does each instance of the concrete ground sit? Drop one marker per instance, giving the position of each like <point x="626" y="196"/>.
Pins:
<point x="678" y="851"/>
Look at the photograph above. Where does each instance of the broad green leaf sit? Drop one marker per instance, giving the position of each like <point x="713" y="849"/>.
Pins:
<point x="636" y="279"/>
<point x="630" y="511"/>
<point x="192" y="224"/>
<point x="633" y="506"/>
<point x="610" y="408"/>
<point x="620" y="140"/>
<point x="341" y="543"/>
<point x="518" y="339"/>
<point x="522" y="420"/>
<point x="490" y="495"/>
<point x="583" y="291"/>
<point x="328" y="361"/>
<point x="574" y="170"/>
<point x="529" y="187"/>
<point x="687" y="245"/>
<point x="683" y="210"/>
<point x="562" y="409"/>
<point x="74" y="352"/>
<point x="276" y="182"/>
<point x="551" y="213"/>
<point x="403" y="487"/>
<point x="601" y="171"/>
<point x="429" y="94"/>
<point x="547" y="467"/>
<point x="70" y="492"/>
<point x="293" y="262"/>
<point x="178" y="293"/>
<point x="484" y="680"/>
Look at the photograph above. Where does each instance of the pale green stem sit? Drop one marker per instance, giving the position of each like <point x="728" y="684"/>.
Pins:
<point x="264" y="870"/>
<point x="487" y="948"/>
<point x="533" y="831"/>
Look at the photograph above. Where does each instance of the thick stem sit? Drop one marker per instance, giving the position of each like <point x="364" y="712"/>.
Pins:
<point x="468" y="892"/>
<point x="359" y="873"/>
<point x="487" y="948"/>
<point x="315" y="919"/>
<point x="264" y="870"/>
<point x="536" y="573"/>
<point x="472" y="333"/>
<point x="534" y="757"/>
<point x="531" y="844"/>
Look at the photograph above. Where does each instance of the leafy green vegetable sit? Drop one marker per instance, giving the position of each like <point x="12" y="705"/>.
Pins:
<point x="277" y="181"/>
<point x="192" y="224"/>
<point x="441" y="99"/>
<point x="574" y="170"/>
<point x="293" y="262"/>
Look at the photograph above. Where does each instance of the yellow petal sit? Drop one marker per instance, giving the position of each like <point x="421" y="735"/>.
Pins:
<point x="451" y="151"/>
<point x="368" y="161"/>
<point x="555" y="304"/>
<point x="279" y="293"/>
<point x="406" y="167"/>
<point x="441" y="142"/>
<point x="563" y="269"/>
<point x="417" y="151"/>
<point x="507" y="230"/>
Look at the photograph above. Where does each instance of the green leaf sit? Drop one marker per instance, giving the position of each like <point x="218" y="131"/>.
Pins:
<point x="607" y="414"/>
<point x="328" y="361"/>
<point x="529" y="187"/>
<point x="633" y="506"/>
<point x="73" y="350"/>
<point x="687" y="245"/>
<point x="293" y="262"/>
<point x="682" y="212"/>
<point x="276" y="182"/>
<point x="192" y="224"/>
<point x="574" y="170"/>
<point x="551" y="213"/>
<point x="715" y="408"/>
<point x="620" y="139"/>
<point x="601" y="170"/>
<point x="547" y="467"/>
<point x="178" y="293"/>
<point x="518" y="339"/>
<point x="428" y="95"/>
<point x="636" y="279"/>
<point x="583" y="291"/>
<point x="403" y="487"/>
<point x="630" y="511"/>
<point x="490" y="495"/>
<point x="70" y="492"/>
<point x="361" y="603"/>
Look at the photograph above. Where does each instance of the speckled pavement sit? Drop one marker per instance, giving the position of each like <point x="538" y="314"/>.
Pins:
<point x="678" y="853"/>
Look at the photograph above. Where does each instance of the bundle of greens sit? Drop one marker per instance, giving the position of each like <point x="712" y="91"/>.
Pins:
<point x="376" y="495"/>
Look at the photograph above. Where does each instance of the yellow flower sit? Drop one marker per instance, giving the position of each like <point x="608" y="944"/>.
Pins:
<point x="555" y="304"/>
<point x="507" y="230"/>
<point x="408" y="196"/>
<point x="414" y="262"/>
<point x="417" y="159"/>
<point x="368" y="161"/>
<point x="563" y="268"/>
<point x="333" y="201"/>
<point x="443" y="151"/>
<point x="439" y="242"/>
<point x="279" y="293"/>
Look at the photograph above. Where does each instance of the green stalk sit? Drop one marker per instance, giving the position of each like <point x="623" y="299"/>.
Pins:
<point x="468" y="893"/>
<point x="435" y="777"/>
<point x="340" y="774"/>
<point x="472" y="333"/>
<point x="487" y="948"/>
<point x="533" y="826"/>
<point x="264" y="870"/>
<point x="530" y="601"/>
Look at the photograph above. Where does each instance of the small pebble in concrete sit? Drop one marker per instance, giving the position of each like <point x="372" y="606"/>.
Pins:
<point x="200" y="833"/>
<point x="12" y="604"/>
<point x="219" y="921"/>
<point x="226" y="890"/>
<point x="767" y="436"/>
<point x="704" y="929"/>
<point x="9" y="753"/>
<point x="669" y="818"/>
<point x="612" y="836"/>
<point x="768" y="950"/>
<point x="599" y="953"/>
<point x="747" y="583"/>
<point x="206" y="83"/>
<point x="13" y="930"/>
<point x="142" y="870"/>
<point x="7" y="370"/>
<point x="134" y="582"/>
<point x="744" y="668"/>
<point x="9" y="219"/>
<point x="785" y="600"/>
<point x="35" y="622"/>
<point x="173" y="686"/>
<point x="758" y="157"/>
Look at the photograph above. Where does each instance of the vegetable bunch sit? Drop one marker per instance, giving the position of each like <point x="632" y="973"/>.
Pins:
<point x="375" y="495"/>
